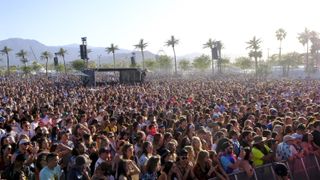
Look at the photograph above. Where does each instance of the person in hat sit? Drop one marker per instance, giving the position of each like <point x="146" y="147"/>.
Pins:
<point x="184" y="168"/>
<point x="23" y="146"/>
<point x="284" y="149"/>
<point x="261" y="153"/>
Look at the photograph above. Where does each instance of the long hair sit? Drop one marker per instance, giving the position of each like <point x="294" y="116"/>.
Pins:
<point x="125" y="148"/>
<point x="145" y="147"/>
<point x="122" y="168"/>
<point x="202" y="155"/>
<point x="152" y="164"/>
<point x="194" y="139"/>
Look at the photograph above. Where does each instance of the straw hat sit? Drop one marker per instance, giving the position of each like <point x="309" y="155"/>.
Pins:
<point x="258" y="139"/>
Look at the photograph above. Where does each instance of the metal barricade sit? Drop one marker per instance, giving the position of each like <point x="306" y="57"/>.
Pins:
<point x="233" y="176"/>
<point x="306" y="168"/>
<point x="297" y="169"/>
<point x="312" y="166"/>
<point x="265" y="172"/>
<point x="243" y="176"/>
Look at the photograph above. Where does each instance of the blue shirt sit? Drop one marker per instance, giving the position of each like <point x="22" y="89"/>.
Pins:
<point x="227" y="160"/>
<point x="283" y="151"/>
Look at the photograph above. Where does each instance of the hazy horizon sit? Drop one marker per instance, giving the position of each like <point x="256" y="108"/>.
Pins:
<point x="125" y="22"/>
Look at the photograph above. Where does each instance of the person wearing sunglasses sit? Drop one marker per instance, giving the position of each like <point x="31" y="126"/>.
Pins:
<point x="184" y="166"/>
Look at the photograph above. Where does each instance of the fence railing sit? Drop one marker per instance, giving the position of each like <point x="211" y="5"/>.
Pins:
<point x="306" y="168"/>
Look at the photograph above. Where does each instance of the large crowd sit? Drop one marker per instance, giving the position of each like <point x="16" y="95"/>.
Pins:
<point x="165" y="128"/>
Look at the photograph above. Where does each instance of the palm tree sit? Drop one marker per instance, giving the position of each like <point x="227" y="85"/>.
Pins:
<point x="211" y="44"/>
<point x="6" y="51"/>
<point x="254" y="45"/>
<point x="173" y="42"/>
<point x="281" y="35"/>
<point x="46" y="55"/>
<point x="219" y="46"/>
<point x="22" y="54"/>
<point x="142" y="45"/>
<point x="304" y="39"/>
<point x="315" y="48"/>
<point x="112" y="50"/>
<point x="62" y="52"/>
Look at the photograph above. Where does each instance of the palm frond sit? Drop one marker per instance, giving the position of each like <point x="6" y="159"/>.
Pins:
<point x="112" y="48"/>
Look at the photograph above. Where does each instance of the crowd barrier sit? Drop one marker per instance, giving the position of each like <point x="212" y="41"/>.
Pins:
<point x="306" y="168"/>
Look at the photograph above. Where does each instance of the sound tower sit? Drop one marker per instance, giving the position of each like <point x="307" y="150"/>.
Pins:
<point x="83" y="52"/>
<point x="133" y="61"/>
<point x="55" y="60"/>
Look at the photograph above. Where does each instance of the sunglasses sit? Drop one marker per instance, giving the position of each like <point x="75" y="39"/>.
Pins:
<point x="184" y="157"/>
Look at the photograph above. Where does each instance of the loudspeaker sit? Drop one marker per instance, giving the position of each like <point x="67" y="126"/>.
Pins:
<point x="133" y="61"/>
<point x="55" y="60"/>
<point x="83" y="52"/>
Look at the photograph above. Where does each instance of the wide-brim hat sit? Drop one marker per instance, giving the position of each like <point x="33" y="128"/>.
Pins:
<point x="258" y="139"/>
<point x="287" y="138"/>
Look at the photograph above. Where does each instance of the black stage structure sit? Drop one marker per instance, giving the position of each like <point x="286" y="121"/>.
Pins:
<point x="126" y="75"/>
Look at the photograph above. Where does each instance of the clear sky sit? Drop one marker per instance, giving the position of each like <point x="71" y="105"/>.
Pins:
<point x="193" y="22"/>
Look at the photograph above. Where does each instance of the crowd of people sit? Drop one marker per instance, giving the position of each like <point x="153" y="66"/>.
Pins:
<point x="165" y="128"/>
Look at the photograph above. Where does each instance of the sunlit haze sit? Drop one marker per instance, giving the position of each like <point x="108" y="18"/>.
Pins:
<point x="193" y="22"/>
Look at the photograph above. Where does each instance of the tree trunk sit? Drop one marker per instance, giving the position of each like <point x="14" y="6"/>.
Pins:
<point x="142" y="53"/>
<point x="8" y="68"/>
<point x="280" y="58"/>
<point x="219" y="61"/>
<point x="212" y="62"/>
<point x="220" y="65"/>
<point x="64" y="64"/>
<point x="114" y="63"/>
<point x="256" y="65"/>
<point x="307" y="60"/>
<point x="47" y="67"/>
<point x="175" y="61"/>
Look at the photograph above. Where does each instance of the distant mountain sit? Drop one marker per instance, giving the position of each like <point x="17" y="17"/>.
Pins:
<point x="35" y="48"/>
<point x="189" y="57"/>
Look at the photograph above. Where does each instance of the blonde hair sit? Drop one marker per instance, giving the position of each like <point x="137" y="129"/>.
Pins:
<point x="191" y="153"/>
<point x="194" y="139"/>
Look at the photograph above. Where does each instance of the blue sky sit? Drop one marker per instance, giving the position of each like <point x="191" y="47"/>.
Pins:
<point x="193" y="22"/>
